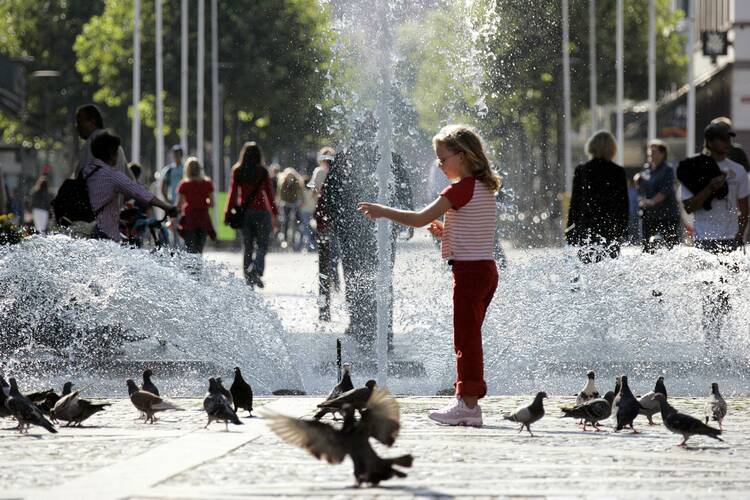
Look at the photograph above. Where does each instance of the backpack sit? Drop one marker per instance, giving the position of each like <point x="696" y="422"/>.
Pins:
<point x="72" y="203"/>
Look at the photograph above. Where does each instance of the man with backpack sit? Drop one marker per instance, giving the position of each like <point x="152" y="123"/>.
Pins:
<point x="105" y="183"/>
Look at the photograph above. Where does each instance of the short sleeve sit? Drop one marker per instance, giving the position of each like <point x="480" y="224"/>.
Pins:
<point x="743" y="188"/>
<point x="181" y="187"/>
<point x="460" y="193"/>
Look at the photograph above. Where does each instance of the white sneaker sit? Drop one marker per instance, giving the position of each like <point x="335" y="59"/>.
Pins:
<point x="457" y="413"/>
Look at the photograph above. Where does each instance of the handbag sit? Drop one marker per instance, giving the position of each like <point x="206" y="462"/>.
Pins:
<point x="236" y="215"/>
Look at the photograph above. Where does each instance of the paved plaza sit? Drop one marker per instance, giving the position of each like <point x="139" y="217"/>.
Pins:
<point x="117" y="456"/>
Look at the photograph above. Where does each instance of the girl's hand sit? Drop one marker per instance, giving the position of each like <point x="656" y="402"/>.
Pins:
<point x="436" y="229"/>
<point x="371" y="210"/>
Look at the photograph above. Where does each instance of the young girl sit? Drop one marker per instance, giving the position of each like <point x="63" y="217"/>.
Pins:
<point x="467" y="242"/>
<point x="195" y="196"/>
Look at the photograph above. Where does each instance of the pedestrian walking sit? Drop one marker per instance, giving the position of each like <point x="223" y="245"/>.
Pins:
<point x="598" y="213"/>
<point x="172" y="175"/>
<point x="41" y="204"/>
<point x="90" y="124"/>
<point x="195" y="195"/>
<point x="251" y="209"/>
<point x="715" y="190"/>
<point x="325" y="238"/>
<point x="291" y="195"/>
<point x="660" y="215"/>
<point x="467" y="234"/>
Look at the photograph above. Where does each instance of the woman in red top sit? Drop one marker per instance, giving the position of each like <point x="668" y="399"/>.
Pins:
<point x="250" y="188"/>
<point x="195" y="196"/>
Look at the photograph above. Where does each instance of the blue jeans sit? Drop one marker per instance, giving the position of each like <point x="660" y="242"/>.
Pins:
<point x="256" y="231"/>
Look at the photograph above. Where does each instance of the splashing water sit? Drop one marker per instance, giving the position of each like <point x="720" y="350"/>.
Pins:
<point x="84" y="308"/>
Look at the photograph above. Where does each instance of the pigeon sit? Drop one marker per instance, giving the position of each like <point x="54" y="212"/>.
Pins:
<point x="356" y="398"/>
<point x="4" y="412"/>
<point x="681" y="423"/>
<point x="147" y="402"/>
<point x="4" y="386"/>
<point x="74" y="410"/>
<point x="242" y="393"/>
<point x="24" y="410"/>
<point x="589" y="390"/>
<point x="625" y="407"/>
<point x="289" y="392"/>
<point x="52" y="398"/>
<point x="379" y="419"/>
<point x="592" y="411"/>
<point x="648" y="402"/>
<point x="527" y="415"/>
<point x="224" y="392"/>
<point x="147" y="384"/>
<point x="343" y="385"/>
<point x="716" y="407"/>
<point x="218" y="407"/>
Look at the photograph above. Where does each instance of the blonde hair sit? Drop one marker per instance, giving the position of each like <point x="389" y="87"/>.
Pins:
<point x="602" y="146"/>
<point x="193" y="170"/>
<point x="464" y="139"/>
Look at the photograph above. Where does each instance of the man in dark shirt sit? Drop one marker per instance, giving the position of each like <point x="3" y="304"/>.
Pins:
<point x="736" y="153"/>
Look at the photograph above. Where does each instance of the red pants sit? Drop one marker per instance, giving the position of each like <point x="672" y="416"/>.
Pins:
<point x="474" y="284"/>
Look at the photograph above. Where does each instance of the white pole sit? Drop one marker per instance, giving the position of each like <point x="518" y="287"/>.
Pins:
<point x="185" y="45"/>
<point x="216" y="141"/>
<point x="383" y="282"/>
<point x="592" y="63"/>
<point x="651" y="69"/>
<point x="566" y="97"/>
<point x="690" y="143"/>
<point x="135" y="134"/>
<point x="159" y="91"/>
<point x="620" y="84"/>
<point x="200" y="76"/>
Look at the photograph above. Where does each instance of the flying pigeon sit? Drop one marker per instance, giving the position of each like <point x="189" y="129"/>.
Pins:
<point x="625" y="407"/>
<point x="648" y="402"/>
<point x="344" y="385"/>
<point x="589" y="389"/>
<point x="681" y="423"/>
<point x="592" y="411"/>
<point x="356" y="398"/>
<point x="24" y="410"/>
<point x="147" y="384"/>
<point x="217" y="406"/>
<point x="74" y="410"/>
<point x="242" y="393"/>
<point x="527" y="415"/>
<point x="224" y="392"/>
<point x="380" y="419"/>
<point x="716" y="407"/>
<point x="147" y="402"/>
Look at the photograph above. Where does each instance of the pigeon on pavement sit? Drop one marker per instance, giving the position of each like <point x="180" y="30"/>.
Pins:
<point x="224" y="392"/>
<point x="625" y="407"/>
<point x="589" y="390"/>
<point x="217" y="406"/>
<point x="648" y="402"/>
<point x="681" y="423"/>
<point x="356" y="398"/>
<point x="242" y="393"/>
<point x="147" y="384"/>
<point x="592" y="411"/>
<point x="527" y="415"/>
<point x="147" y="402"/>
<point x="380" y="420"/>
<point x="4" y="386"/>
<point x="343" y="385"/>
<point x="74" y="410"/>
<point x="716" y="407"/>
<point x="25" y="412"/>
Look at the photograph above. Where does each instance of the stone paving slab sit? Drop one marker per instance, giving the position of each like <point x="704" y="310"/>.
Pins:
<point x="120" y="457"/>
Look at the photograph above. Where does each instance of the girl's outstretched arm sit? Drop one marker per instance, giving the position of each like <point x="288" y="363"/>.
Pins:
<point x="407" y="217"/>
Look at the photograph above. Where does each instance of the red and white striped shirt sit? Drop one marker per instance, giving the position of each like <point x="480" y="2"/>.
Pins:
<point x="469" y="227"/>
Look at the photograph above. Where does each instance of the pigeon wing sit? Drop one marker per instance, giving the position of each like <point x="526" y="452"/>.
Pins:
<point x="321" y="440"/>
<point x="356" y="397"/>
<point x="382" y="417"/>
<point x="144" y="400"/>
<point x="687" y="424"/>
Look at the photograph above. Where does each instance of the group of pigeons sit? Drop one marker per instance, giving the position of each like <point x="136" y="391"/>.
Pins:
<point x="623" y="407"/>
<point x="46" y="408"/>
<point x="367" y="412"/>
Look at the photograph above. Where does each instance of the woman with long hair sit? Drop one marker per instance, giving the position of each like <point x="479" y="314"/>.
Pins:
<point x="195" y="194"/>
<point x="41" y="200"/>
<point x="250" y="192"/>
